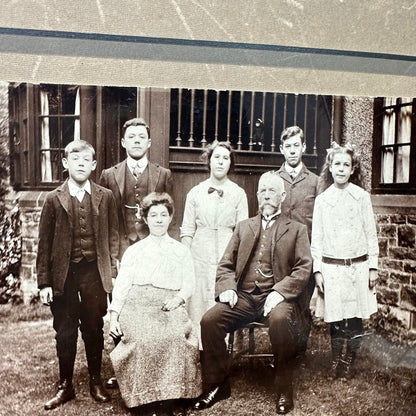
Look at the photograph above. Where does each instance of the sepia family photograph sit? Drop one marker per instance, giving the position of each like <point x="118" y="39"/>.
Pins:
<point x="231" y="247"/>
<point x="42" y="120"/>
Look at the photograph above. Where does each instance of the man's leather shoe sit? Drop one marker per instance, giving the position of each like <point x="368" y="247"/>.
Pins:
<point x="97" y="390"/>
<point x="285" y="402"/>
<point x="212" y="396"/>
<point x="112" y="383"/>
<point x="64" y="394"/>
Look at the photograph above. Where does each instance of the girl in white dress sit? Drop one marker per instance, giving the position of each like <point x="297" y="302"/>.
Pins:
<point x="212" y="210"/>
<point x="345" y="253"/>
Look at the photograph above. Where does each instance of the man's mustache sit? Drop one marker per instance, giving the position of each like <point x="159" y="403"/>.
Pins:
<point x="270" y="204"/>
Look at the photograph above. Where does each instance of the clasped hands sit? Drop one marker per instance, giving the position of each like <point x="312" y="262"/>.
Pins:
<point x="172" y="303"/>
<point x="273" y="299"/>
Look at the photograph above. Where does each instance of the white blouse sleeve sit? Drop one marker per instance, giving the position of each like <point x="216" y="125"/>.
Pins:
<point x="242" y="207"/>
<point x="189" y="216"/>
<point x="123" y="281"/>
<point x="317" y="236"/>
<point x="187" y="275"/>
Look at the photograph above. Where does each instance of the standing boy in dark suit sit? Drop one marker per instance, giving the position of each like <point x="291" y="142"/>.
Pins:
<point x="301" y="190"/>
<point x="132" y="179"/>
<point x="77" y="252"/>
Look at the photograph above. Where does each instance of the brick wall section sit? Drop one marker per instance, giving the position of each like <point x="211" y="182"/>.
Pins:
<point x="30" y="205"/>
<point x="397" y="289"/>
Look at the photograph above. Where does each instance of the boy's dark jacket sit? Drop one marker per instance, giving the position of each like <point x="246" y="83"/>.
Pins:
<point x="55" y="237"/>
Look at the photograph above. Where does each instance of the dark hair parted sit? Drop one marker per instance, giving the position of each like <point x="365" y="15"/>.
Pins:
<point x="291" y="131"/>
<point x="156" y="198"/>
<point x="209" y="150"/>
<point x="78" y="146"/>
<point x="135" y="122"/>
<point x="325" y="178"/>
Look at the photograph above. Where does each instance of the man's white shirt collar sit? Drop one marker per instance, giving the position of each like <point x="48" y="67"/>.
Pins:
<point x="297" y="169"/>
<point x="269" y="220"/>
<point x="74" y="188"/>
<point x="142" y="163"/>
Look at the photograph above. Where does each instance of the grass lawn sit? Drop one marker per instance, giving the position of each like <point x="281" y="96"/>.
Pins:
<point x="385" y="383"/>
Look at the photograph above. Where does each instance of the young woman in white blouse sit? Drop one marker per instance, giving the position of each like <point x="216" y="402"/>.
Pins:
<point x="157" y="357"/>
<point x="212" y="210"/>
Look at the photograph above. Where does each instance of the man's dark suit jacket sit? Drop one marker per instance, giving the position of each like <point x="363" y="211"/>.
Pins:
<point x="55" y="237"/>
<point x="291" y="258"/>
<point x="300" y="196"/>
<point x="114" y="179"/>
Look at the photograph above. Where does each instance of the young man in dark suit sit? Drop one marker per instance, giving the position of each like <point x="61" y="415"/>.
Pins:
<point x="132" y="179"/>
<point x="262" y="274"/>
<point x="301" y="190"/>
<point x="300" y="183"/>
<point x="76" y="261"/>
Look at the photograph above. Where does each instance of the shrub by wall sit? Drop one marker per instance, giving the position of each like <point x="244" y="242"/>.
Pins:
<point x="10" y="235"/>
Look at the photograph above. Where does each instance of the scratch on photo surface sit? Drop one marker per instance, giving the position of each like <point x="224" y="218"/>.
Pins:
<point x="388" y="12"/>
<point x="290" y="24"/>
<point x="210" y="73"/>
<point x="295" y="4"/>
<point x="182" y="17"/>
<point x="278" y="18"/>
<point x="36" y="66"/>
<point x="271" y="76"/>
<point x="230" y="36"/>
<point x="46" y="8"/>
<point x="100" y="11"/>
<point x="410" y="7"/>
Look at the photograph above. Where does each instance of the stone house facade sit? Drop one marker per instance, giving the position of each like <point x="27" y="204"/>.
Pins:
<point x="355" y="119"/>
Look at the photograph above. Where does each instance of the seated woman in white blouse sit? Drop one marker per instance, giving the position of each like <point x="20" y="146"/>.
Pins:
<point x="157" y="359"/>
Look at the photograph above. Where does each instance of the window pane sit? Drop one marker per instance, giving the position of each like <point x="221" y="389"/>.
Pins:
<point x="397" y="124"/>
<point x="52" y="103"/>
<point x="68" y="124"/>
<point x="403" y="164"/>
<point x="61" y="105"/>
<point x="69" y="94"/>
<point x="61" y="99"/>
<point x="404" y="124"/>
<point x="51" y="165"/>
<point x="387" y="165"/>
<point x="53" y="131"/>
<point x="389" y="126"/>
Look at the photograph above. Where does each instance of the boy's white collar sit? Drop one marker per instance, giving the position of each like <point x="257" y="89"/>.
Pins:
<point x="74" y="187"/>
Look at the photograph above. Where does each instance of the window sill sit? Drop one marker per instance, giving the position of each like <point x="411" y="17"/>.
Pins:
<point x="397" y="202"/>
<point x="27" y="199"/>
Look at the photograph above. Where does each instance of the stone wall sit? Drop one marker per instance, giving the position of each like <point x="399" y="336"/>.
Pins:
<point x="396" y="229"/>
<point x="30" y="204"/>
<point x="397" y="263"/>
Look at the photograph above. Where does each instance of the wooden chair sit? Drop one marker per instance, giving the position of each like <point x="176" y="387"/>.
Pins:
<point x="251" y="352"/>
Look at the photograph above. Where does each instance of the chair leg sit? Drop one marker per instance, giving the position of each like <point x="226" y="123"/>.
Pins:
<point x="251" y="345"/>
